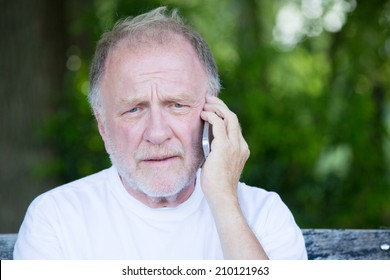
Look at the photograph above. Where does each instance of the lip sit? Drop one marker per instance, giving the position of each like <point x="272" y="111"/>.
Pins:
<point x="159" y="160"/>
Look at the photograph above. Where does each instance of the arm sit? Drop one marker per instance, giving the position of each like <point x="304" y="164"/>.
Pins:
<point x="220" y="175"/>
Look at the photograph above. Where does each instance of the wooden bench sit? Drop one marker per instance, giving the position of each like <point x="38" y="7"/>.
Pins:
<point x="321" y="244"/>
<point x="7" y="242"/>
<point x="347" y="244"/>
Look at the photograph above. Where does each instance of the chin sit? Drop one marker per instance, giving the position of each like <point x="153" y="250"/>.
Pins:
<point x="160" y="187"/>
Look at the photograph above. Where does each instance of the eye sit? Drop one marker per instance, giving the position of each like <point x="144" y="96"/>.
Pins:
<point x="132" y="110"/>
<point x="178" y="105"/>
<point x="179" y="108"/>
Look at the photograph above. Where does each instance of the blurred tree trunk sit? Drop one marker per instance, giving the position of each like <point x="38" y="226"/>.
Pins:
<point x="31" y="70"/>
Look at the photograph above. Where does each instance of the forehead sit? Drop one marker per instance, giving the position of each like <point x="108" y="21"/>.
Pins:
<point x="172" y="63"/>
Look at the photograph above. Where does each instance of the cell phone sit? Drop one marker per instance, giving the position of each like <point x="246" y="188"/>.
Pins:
<point x="206" y="139"/>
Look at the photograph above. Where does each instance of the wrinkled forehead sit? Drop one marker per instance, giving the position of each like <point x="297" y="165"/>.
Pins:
<point x="155" y="36"/>
<point x="167" y="44"/>
<point x="174" y="61"/>
<point x="151" y="39"/>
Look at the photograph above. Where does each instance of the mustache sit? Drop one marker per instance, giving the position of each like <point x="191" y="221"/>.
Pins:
<point x="158" y="152"/>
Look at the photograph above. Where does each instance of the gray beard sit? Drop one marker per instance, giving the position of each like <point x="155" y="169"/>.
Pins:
<point x="150" y="183"/>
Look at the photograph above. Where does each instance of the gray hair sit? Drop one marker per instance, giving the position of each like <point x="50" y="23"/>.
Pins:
<point x="157" y="25"/>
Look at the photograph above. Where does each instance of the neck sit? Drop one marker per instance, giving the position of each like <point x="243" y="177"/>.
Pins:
<point x="160" y="202"/>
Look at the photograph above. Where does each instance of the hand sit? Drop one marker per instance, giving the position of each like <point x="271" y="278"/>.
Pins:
<point x="219" y="178"/>
<point x="229" y="152"/>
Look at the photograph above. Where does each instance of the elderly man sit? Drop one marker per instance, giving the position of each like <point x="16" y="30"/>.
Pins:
<point x="154" y="84"/>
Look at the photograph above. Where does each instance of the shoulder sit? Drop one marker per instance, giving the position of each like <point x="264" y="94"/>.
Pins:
<point x="272" y="222"/>
<point x="254" y="196"/>
<point x="264" y="208"/>
<point x="258" y="203"/>
<point x="83" y="189"/>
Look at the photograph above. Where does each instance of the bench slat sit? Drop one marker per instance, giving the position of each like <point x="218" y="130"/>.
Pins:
<point x="7" y="242"/>
<point x="347" y="244"/>
<point x="321" y="244"/>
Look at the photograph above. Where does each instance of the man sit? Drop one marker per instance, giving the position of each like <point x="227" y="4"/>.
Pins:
<point x="154" y="83"/>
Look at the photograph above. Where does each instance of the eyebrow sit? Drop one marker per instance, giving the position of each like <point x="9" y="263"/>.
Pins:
<point x="130" y="100"/>
<point x="139" y="98"/>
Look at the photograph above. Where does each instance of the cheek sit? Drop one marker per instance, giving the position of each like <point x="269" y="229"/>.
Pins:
<point x="189" y="131"/>
<point x="123" y="137"/>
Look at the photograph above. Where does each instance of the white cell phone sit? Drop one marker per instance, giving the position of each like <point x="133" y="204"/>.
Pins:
<point x="206" y="139"/>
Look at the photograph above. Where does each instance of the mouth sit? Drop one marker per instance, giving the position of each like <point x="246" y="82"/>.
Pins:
<point x="157" y="160"/>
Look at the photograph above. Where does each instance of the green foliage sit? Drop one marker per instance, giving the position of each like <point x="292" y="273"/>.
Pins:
<point x="73" y="132"/>
<point x="314" y="109"/>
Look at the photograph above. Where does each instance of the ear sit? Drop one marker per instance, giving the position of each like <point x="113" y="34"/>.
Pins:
<point x="103" y="131"/>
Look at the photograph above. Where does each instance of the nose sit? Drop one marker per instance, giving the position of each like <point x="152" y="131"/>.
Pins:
<point x="157" y="129"/>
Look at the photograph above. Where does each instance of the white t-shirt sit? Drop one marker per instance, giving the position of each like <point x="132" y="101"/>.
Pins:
<point x="95" y="218"/>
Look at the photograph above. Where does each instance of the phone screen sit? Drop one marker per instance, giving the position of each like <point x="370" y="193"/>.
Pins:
<point x="206" y="139"/>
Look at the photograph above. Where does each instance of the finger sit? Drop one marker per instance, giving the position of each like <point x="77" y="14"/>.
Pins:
<point x="237" y="147"/>
<point x="217" y="123"/>
<point x="231" y="121"/>
<point x="213" y="100"/>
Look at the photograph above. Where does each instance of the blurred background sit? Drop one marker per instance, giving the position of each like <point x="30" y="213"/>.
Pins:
<point x="309" y="80"/>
